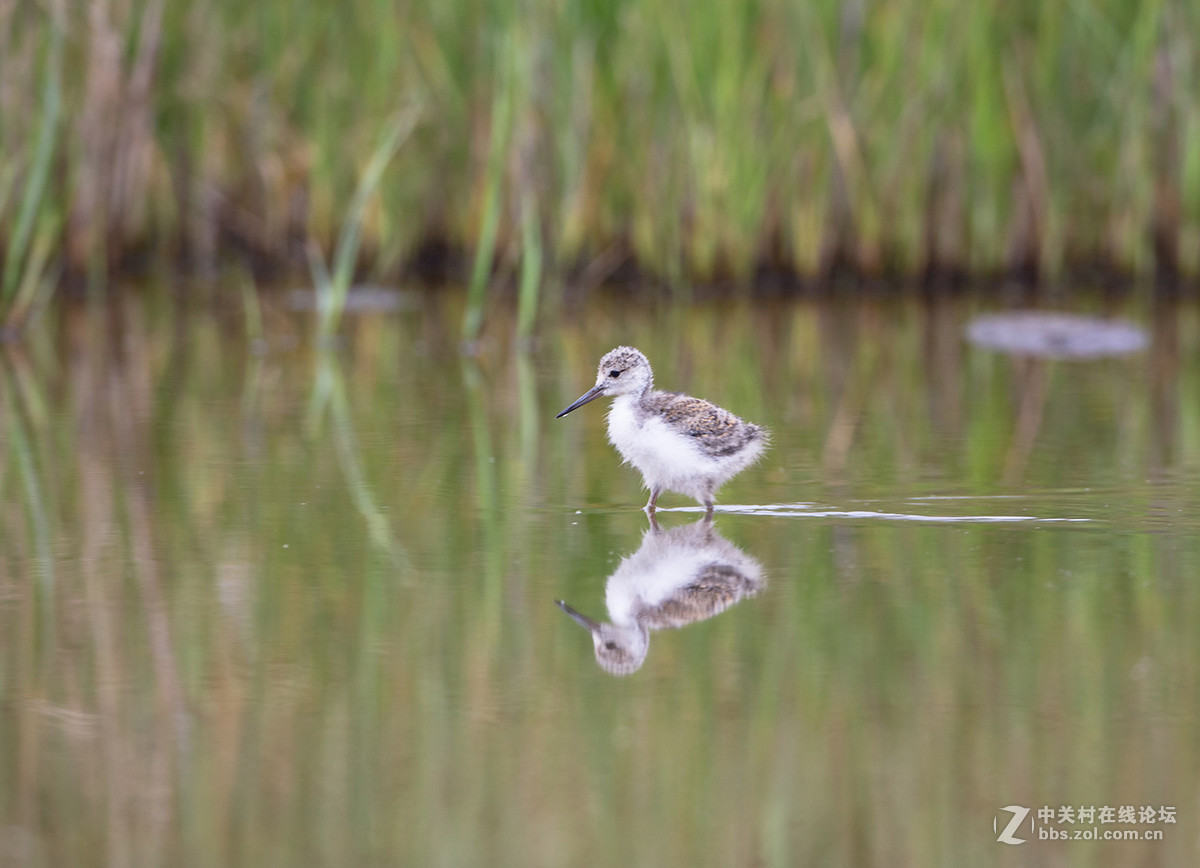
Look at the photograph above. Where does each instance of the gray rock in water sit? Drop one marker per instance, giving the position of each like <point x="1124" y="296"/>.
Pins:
<point x="1056" y="335"/>
<point x="361" y="298"/>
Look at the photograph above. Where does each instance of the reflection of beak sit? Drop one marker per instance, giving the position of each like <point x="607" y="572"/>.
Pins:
<point x="580" y="619"/>
<point x="590" y="395"/>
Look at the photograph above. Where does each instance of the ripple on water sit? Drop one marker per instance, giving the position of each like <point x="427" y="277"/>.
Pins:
<point x="810" y="510"/>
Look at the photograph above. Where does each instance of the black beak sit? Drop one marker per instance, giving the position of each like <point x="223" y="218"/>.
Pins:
<point x="580" y="619"/>
<point x="590" y="395"/>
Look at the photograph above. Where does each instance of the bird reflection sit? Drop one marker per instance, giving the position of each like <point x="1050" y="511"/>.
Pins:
<point x="678" y="576"/>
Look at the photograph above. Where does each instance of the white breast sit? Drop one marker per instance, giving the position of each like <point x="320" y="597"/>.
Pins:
<point x="663" y="455"/>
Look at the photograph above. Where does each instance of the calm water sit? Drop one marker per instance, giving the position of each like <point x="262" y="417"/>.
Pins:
<point x="262" y="605"/>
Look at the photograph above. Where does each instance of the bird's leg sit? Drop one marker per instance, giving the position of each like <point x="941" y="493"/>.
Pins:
<point x="654" y="525"/>
<point x="650" y="504"/>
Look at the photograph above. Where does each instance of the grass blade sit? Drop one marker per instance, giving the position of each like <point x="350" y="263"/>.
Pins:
<point x="15" y="259"/>
<point x="333" y="288"/>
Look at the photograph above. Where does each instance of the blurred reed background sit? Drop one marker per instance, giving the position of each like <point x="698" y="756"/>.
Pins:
<point x="565" y="143"/>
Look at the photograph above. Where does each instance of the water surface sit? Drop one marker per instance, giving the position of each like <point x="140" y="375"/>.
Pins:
<point x="265" y="604"/>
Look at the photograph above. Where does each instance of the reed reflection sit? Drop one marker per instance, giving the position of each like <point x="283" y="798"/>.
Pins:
<point x="676" y="577"/>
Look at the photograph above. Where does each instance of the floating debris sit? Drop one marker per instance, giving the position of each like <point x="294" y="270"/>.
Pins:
<point x="1056" y="335"/>
<point x="364" y="298"/>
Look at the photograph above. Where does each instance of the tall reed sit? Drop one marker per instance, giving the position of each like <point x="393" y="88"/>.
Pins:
<point x="333" y="286"/>
<point x="27" y="248"/>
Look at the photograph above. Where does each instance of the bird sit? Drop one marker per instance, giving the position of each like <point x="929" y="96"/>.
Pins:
<point x="676" y="577"/>
<point x="679" y="443"/>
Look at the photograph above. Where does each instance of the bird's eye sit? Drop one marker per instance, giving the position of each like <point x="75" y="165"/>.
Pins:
<point x="611" y="646"/>
<point x="614" y="374"/>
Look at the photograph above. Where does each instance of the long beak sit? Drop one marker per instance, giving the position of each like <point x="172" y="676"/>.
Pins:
<point x="580" y="619"/>
<point x="590" y="395"/>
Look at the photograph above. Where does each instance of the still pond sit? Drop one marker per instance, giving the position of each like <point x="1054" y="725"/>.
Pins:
<point x="267" y="604"/>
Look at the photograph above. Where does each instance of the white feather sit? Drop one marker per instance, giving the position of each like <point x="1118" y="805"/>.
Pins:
<point x="667" y="458"/>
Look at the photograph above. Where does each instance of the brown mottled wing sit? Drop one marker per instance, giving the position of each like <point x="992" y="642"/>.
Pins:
<point x="715" y="589"/>
<point x="717" y="432"/>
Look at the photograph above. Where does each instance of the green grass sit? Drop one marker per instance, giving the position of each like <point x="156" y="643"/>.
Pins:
<point x="892" y="137"/>
<point x="28" y="242"/>
<point x="333" y="285"/>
